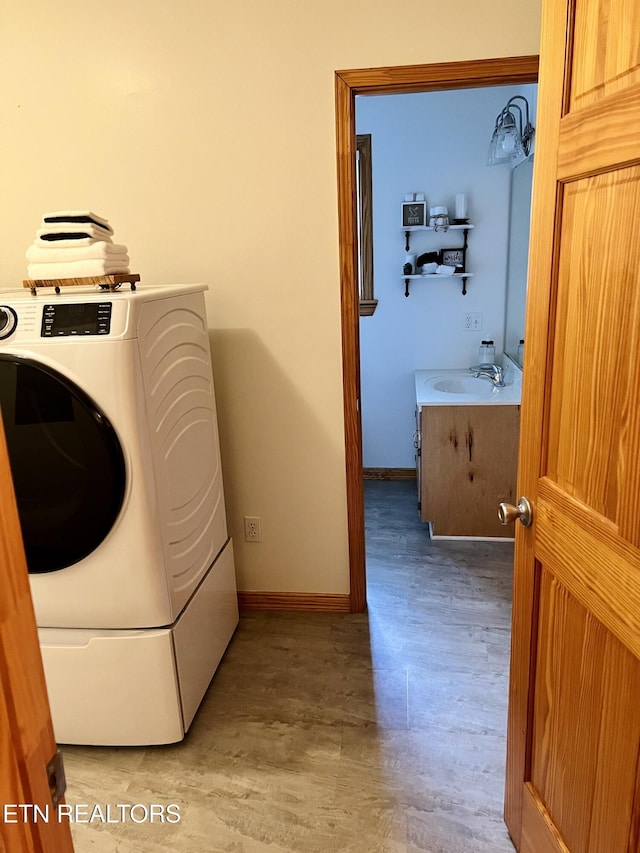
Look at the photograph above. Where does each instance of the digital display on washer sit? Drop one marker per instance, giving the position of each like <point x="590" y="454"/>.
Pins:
<point x="81" y="318"/>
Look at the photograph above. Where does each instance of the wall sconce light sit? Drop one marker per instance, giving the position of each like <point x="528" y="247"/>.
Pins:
<point x="512" y="134"/>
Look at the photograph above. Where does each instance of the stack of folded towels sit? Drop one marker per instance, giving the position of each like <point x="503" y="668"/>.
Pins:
<point x="75" y="244"/>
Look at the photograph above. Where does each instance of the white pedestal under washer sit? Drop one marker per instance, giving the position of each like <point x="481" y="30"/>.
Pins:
<point x="109" y="410"/>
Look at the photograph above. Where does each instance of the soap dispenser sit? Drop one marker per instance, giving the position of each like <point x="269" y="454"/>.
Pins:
<point x="487" y="352"/>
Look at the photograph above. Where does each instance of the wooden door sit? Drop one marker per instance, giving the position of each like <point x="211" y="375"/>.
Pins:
<point x="573" y="769"/>
<point x="26" y="735"/>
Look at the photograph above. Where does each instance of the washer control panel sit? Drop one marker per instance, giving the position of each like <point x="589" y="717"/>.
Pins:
<point x="76" y="318"/>
<point x="8" y="321"/>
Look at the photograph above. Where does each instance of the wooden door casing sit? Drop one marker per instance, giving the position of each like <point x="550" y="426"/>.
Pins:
<point x="574" y="719"/>
<point x="501" y="71"/>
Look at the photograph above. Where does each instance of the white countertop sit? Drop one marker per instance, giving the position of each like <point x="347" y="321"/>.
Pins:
<point x="461" y="388"/>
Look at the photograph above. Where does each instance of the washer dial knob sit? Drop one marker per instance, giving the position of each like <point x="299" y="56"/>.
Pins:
<point x="8" y="321"/>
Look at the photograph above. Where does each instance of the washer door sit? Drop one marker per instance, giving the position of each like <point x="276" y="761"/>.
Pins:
<point x="66" y="460"/>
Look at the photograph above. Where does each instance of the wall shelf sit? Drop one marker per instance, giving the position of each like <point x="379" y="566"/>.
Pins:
<point x="463" y="275"/>
<point x="465" y="227"/>
<point x="407" y="231"/>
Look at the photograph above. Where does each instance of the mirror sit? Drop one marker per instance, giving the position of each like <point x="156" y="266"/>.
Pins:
<point x="519" y="222"/>
<point x="364" y="210"/>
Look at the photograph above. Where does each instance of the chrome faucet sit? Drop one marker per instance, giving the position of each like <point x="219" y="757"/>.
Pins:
<point x="494" y="372"/>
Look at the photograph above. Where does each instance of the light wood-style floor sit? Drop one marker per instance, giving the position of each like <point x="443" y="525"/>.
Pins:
<point x="365" y="733"/>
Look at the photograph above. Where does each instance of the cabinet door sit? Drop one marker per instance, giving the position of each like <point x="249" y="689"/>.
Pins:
<point x="469" y="465"/>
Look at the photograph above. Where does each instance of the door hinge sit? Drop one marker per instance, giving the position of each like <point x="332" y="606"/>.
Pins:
<point x="56" y="778"/>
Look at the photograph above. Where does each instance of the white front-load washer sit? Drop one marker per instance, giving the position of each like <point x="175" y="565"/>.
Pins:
<point x="109" y="411"/>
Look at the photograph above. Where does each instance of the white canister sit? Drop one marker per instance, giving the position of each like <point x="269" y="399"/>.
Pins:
<point x="487" y="352"/>
<point x="462" y="208"/>
<point x="409" y="267"/>
<point x="439" y="218"/>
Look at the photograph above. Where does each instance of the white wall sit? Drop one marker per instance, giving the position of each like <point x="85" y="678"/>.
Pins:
<point x="435" y="143"/>
<point x="202" y="128"/>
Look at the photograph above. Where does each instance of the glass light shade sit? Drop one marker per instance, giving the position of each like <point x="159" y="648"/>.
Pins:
<point x="509" y="142"/>
<point x="497" y="153"/>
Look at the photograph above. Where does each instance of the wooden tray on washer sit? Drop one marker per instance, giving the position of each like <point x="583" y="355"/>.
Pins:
<point x="108" y="282"/>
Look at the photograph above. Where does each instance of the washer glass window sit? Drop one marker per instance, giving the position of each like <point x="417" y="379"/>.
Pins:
<point x="67" y="464"/>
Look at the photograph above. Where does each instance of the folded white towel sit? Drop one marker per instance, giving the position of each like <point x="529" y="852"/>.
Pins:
<point x="52" y="253"/>
<point x="61" y="231"/>
<point x="112" y="261"/>
<point x="76" y="216"/>
<point x="445" y="269"/>
<point x="68" y="244"/>
<point x="75" y="269"/>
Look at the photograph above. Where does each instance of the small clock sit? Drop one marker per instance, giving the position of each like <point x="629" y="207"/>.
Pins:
<point x="453" y="258"/>
<point x="414" y="214"/>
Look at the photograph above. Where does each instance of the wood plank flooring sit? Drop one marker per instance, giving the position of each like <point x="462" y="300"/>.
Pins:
<point x="329" y="732"/>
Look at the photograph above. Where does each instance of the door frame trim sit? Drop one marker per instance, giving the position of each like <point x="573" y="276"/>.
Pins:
<point x="401" y="79"/>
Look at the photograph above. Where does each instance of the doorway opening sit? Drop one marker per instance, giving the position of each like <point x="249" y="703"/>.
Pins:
<point x="349" y="84"/>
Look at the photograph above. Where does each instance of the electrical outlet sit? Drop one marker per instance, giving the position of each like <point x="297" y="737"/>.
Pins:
<point x="472" y="321"/>
<point x="252" y="529"/>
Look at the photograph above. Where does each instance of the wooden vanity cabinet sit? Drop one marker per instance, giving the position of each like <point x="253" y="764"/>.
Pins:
<point x="467" y="465"/>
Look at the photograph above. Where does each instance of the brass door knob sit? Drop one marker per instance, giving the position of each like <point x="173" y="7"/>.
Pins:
<point x="507" y="513"/>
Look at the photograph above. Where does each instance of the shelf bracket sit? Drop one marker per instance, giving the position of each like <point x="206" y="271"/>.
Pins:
<point x="406" y="287"/>
<point x="464" y="285"/>
<point x="406" y="242"/>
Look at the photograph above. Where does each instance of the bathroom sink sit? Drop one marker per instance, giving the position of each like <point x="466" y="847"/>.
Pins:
<point x="461" y="385"/>
<point x="458" y="387"/>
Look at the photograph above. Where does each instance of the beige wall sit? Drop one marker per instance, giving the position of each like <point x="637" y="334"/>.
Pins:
<point x="205" y="132"/>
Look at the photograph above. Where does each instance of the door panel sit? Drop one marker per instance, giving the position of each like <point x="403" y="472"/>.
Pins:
<point x="574" y="710"/>
<point x="606" y="50"/>
<point x="586" y="722"/>
<point x="590" y="390"/>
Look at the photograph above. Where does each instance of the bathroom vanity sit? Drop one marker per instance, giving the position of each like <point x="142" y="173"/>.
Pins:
<point x="466" y="451"/>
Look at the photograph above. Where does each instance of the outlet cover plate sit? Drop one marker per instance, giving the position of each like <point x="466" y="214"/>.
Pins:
<point x="252" y="528"/>
<point x="472" y="321"/>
